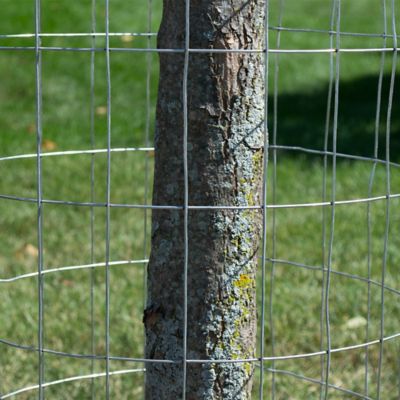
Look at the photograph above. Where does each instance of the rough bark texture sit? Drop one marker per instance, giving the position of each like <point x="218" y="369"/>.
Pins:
<point x="225" y="158"/>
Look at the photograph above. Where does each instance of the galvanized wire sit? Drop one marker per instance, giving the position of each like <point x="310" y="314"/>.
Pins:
<point x="360" y="200"/>
<point x="337" y="6"/>
<point x="274" y="198"/>
<point x="108" y="200"/>
<point x="283" y="357"/>
<point x="202" y="51"/>
<point x="39" y="133"/>
<point x="388" y="190"/>
<point x="370" y="187"/>
<point x="185" y="197"/>
<point x="324" y="190"/>
<point x="92" y="193"/>
<point x="264" y="233"/>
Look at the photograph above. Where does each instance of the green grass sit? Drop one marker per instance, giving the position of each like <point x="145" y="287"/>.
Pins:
<point x="302" y="85"/>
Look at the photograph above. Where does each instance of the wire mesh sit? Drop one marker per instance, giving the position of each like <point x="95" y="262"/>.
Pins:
<point x="272" y="265"/>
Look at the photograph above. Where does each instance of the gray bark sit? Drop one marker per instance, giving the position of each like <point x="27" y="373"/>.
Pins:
<point x="225" y="158"/>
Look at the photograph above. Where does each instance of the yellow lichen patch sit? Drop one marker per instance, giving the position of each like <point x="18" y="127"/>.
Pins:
<point x="258" y="162"/>
<point x="244" y="280"/>
<point x="250" y="199"/>
<point x="247" y="368"/>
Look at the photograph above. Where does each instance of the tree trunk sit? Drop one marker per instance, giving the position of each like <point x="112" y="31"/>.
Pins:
<point x="225" y="159"/>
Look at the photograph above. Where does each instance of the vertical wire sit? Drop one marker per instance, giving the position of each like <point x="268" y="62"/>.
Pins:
<point x="333" y="198"/>
<point x="146" y="166"/>
<point x="274" y="183"/>
<point x="264" y="198"/>
<point x="387" y="216"/>
<point x="324" y="178"/>
<point x="108" y="191"/>
<point x="398" y="370"/>
<point x="38" y="72"/>
<point x="370" y="188"/>
<point x="186" y="193"/>
<point x="147" y="142"/>
<point x="92" y="191"/>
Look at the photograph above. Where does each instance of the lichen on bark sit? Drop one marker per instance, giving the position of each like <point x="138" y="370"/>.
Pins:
<point x="225" y="158"/>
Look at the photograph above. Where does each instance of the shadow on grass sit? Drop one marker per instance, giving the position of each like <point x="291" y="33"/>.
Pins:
<point x="301" y="118"/>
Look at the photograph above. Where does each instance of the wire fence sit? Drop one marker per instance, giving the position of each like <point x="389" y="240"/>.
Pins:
<point x="379" y="276"/>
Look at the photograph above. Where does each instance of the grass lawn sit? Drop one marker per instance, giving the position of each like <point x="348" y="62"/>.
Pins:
<point x="74" y="301"/>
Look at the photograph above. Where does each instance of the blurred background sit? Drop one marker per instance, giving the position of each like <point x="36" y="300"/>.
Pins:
<point x="75" y="118"/>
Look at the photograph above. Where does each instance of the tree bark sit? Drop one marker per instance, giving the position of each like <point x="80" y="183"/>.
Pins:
<point x="225" y="159"/>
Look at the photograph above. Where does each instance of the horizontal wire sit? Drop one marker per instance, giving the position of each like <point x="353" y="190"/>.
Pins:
<point x="147" y="34"/>
<point x="150" y="149"/>
<point x="136" y="370"/>
<point x="331" y="32"/>
<point x="82" y="356"/>
<point x="92" y="49"/>
<point x="77" y="152"/>
<point x="202" y="361"/>
<point x="364" y="200"/>
<point x="145" y="261"/>
<point x="208" y="51"/>
<point x="318" y="382"/>
<point x="75" y="34"/>
<point x="336" y="272"/>
<point x="330" y="153"/>
<point x="72" y="268"/>
<point x="304" y="355"/>
<point x="70" y="379"/>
